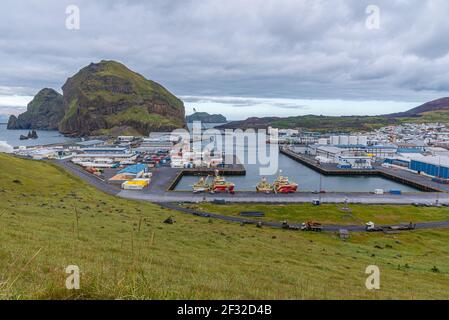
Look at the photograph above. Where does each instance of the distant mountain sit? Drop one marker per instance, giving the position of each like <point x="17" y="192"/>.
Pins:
<point x="44" y="112"/>
<point x="206" y="118"/>
<point x="438" y="105"/>
<point x="433" y="111"/>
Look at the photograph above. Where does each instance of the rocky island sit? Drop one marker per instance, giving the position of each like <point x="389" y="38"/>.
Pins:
<point x="31" y="135"/>
<point x="104" y="98"/>
<point x="206" y="118"/>
<point x="44" y="112"/>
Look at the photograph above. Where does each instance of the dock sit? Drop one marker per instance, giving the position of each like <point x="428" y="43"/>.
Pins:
<point x="234" y="168"/>
<point x="416" y="181"/>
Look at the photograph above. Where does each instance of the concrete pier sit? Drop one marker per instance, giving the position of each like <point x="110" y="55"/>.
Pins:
<point x="419" y="182"/>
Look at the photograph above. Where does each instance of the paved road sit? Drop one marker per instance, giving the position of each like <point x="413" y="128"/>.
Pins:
<point x="328" y="228"/>
<point x="89" y="178"/>
<point x="169" y="199"/>
<point x="157" y="192"/>
<point x="428" y="198"/>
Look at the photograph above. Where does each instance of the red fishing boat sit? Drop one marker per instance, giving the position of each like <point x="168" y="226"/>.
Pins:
<point x="283" y="185"/>
<point x="220" y="185"/>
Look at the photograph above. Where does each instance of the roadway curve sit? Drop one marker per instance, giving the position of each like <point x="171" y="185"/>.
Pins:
<point x="330" y="228"/>
<point x="170" y="200"/>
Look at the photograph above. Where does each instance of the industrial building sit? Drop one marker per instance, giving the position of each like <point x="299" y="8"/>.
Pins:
<point x="343" y="157"/>
<point x="435" y="166"/>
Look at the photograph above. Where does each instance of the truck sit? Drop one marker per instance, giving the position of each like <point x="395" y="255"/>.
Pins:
<point x="311" y="226"/>
<point x="287" y="226"/>
<point x="378" y="191"/>
<point x="410" y="226"/>
<point x="371" y="227"/>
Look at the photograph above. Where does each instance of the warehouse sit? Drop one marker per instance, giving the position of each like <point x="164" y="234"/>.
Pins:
<point x="435" y="166"/>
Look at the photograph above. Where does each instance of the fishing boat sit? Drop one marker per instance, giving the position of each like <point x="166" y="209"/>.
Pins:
<point x="264" y="186"/>
<point x="283" y="185"/>
<point x="220" y="185"/>
<point x="201" y="185"/>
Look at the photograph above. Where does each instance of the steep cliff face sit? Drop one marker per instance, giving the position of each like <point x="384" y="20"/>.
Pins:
<point x="44" y="112"/>
<point x="108" y="98"/>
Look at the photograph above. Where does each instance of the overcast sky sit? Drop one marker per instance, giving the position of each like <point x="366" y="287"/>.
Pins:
<point x="239" y="57"/>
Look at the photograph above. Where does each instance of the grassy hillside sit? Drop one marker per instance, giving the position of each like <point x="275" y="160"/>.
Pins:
<point x="326" y="123"/>
<point x="333" y="214"/>
<point x="125" y="251"/>
<point x="338" y="124"/>
<point x="109" y="98"/>
<point x="431" y="116"/>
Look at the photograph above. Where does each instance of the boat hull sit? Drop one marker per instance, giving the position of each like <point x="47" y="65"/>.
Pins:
<point x="287" y="189"/>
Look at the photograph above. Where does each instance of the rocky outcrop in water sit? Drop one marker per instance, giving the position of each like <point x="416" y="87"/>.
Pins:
<point x="30" y="135"/>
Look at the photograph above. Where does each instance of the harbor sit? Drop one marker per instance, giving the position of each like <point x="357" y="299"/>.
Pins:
<point x="416" y="181"/>
<point x="167" y="167"/>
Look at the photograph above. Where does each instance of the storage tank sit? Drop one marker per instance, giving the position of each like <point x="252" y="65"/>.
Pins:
<point x="322" y="141"/>
<point x="344" y="140"/>
<point x="363" y="140"/>
<point x="334" y="140"/>
<point x="352" y="140"/>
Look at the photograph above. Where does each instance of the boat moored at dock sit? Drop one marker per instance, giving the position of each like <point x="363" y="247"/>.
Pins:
<point x="220" y="184"/>
<point x="264" y="186"/>
<point x="201" y="185"/>
<point x="283" y="185"/>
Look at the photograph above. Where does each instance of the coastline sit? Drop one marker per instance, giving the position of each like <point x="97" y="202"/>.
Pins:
<point x="45" y="137"/>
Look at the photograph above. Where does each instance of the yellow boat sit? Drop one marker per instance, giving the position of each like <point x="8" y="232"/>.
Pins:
<point x="264" y="186"/>
<point x="201" y="185"/>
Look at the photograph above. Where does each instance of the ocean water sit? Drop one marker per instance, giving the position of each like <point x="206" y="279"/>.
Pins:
<point x="12" y="137"/>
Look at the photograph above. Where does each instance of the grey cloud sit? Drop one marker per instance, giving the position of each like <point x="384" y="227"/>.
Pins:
<point x="310" y="49"/>
<point x="245" y="102"/>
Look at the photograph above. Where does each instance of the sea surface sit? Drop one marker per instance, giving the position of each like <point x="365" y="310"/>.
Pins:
<point x="12" y="137"/>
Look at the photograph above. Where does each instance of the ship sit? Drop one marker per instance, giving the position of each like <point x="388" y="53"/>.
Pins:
<point x="264" y="186"/>
<point x="283" y="185"/>
<point x="201" y="185"/>
<point x="221" y="185"/>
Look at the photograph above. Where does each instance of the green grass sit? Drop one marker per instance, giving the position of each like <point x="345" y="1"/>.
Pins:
<point x="71" y="110"/>
<point x="333" y="213"/>
<point x="125" y="251"/>
<point x="352" y="123"/>
<point x="329" y="123"/>
<point x="141" y="86"/>
<point x="432" y="116"/>
<point x="139" y="114"/>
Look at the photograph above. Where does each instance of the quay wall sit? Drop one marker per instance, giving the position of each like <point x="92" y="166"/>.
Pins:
<point x="420" y="185"/>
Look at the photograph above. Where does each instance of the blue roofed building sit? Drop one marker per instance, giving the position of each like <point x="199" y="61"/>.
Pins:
<point x="135" y="169"/>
